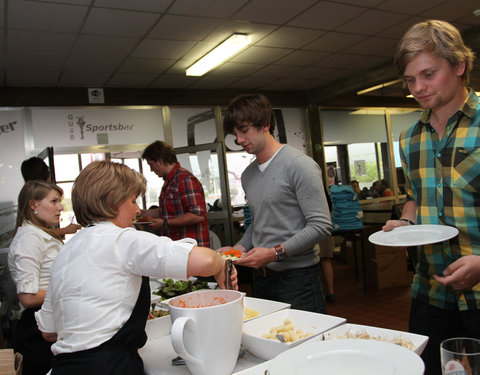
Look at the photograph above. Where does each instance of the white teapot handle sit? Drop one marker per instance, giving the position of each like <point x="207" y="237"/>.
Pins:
<point x="177" y="338"/>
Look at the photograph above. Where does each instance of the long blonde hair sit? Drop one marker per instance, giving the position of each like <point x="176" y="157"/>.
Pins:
<point x="34" y="190"/>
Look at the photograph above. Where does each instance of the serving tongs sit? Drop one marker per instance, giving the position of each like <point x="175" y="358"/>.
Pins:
<point x="228" y="274"/>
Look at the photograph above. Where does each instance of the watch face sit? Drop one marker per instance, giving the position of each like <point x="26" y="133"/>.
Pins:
<point x="280" y="253"/>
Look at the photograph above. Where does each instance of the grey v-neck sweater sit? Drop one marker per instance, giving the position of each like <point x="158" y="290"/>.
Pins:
<point x="288" y="207"/>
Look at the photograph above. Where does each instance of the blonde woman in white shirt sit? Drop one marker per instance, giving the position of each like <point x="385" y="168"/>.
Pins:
<point x="30" y="257"/>
<point x="99" y="296"/>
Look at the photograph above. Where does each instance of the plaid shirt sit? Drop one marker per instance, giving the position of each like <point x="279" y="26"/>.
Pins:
<point x="182" y="193"/>
<point x="443" y="178"/>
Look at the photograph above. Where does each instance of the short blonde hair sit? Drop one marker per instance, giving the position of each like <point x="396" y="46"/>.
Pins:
<point x="101" y="187"/>
<point x="35" y="190"/>
<point x="439" y="37"/>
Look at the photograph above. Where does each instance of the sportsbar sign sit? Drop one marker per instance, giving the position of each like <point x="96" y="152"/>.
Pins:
<point x="78" y="126"/>
<point x="89" y="127"/>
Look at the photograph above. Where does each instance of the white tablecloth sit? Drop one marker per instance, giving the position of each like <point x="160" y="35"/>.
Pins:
<point x="157" y="358"/>
<point x="157" y="354"/>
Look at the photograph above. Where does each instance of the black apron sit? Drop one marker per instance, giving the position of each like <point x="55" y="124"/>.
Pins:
<point x="28" y="340"/>
<point x="117" y="356"/>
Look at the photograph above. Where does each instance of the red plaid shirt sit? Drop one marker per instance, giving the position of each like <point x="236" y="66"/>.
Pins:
<point x="182" y="193"/>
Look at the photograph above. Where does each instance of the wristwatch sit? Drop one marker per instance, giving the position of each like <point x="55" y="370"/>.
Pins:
<point x="280" y="253"/>
<point x="407" y="221"/>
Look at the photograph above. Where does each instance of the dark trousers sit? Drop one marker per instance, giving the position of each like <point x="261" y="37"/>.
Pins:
<point x="440" y="324"/>
<point x="28" y="340"/>
<point x="99" y="361"/>
<point x="300" y="287"/>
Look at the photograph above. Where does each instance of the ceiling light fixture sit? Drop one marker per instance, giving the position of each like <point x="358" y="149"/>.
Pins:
<point x="219" y="54"/>
<point x="377" y="87"/>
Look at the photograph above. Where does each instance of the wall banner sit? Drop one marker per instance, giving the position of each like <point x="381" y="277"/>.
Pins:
<point x="12" y="154"/>
<point x="95" y="126"/>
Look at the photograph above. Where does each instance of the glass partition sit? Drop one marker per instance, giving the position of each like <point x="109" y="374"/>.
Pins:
<point x="362" y="144"/>
<point x="357" y="147"/>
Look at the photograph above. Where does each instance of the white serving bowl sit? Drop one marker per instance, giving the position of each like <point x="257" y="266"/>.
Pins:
<point x="158" y="327"/>
<point x="266" y="349"/>
<point x="338" y="333"/>
<point x="263" y="306"/>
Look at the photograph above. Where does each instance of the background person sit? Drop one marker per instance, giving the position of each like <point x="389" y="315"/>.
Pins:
<point x="183" y="212"/>
<point x="30" y="257"/>
<point x="36" y="169"/>
<point x="98" y="299"/>
<point x="326" y="247"/>
<point x="356" y="187"/>
<point x="289" y="210"/>
<point x="383" y="188"/>
<point x="440" y="160"/>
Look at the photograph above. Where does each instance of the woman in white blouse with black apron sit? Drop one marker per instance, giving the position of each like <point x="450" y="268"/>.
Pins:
<point x="30" y="257"/>
<point x="98" y="299"/>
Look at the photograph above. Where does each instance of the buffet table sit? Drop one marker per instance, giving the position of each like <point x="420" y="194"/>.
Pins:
<point x="259" y="355"/>
<point x="158" y="353"/>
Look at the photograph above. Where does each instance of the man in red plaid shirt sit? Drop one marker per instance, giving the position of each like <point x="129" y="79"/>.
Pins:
<point x="182" y="210"/>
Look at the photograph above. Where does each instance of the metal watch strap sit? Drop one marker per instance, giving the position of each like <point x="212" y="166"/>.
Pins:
<point x="280" y="252"/>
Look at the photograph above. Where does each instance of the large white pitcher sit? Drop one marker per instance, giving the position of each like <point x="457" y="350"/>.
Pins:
<point x="207" y="330"/>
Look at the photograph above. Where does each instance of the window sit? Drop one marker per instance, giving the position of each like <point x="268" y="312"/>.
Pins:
<point x="236" y="163"/>
<point x="67" y="168"/>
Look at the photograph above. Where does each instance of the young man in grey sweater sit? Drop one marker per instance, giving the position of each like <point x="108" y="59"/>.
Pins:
<point x="289" y="209"/>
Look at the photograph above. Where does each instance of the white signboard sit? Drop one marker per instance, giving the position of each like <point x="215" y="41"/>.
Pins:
<point x="12" y="154"/>
<point x="295" y="122"/>
<point x="95" y="126"/>
<point x="360" y="167"/>
<point x="196" y="126"/>
<point x="192" y="126"/>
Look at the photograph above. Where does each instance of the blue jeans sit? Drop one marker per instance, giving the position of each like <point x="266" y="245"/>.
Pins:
<point x="440" y="324"/>
<point x="301" y="287"/>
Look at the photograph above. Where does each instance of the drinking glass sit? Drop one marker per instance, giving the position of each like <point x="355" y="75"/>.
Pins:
<point x="460" y="356"/>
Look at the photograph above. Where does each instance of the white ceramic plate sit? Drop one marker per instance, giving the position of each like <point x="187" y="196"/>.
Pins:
<point x="263" y="306"/>
<point x="419" y="341"/>
<point x="413" y="235"/>
<point x="347" y="357"/>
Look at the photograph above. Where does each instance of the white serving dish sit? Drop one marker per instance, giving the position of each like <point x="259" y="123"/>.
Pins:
<point x="158" y="327"/>
<point x="267" y="349"/>
<point x="337" y="333"/>
<point x="263" y="306"/>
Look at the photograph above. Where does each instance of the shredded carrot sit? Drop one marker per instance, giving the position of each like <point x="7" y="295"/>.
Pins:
<point x="234" y="252"/>
<point x="217" y="301"/>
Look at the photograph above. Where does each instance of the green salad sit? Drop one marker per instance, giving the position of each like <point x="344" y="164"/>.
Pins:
<point x="174" y="288"/>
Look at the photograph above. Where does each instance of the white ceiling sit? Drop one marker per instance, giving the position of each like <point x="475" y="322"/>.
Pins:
<point x="297" y="44"/>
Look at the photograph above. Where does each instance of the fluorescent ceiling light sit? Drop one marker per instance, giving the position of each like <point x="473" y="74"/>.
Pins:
<point x="377" y="87"/>
<point x="219" y="54"/>
<point x="375" y="111"/>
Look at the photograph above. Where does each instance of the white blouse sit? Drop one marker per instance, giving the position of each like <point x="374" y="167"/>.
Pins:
<point x="96" y="280"/>
<point x="30" y="258"/>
